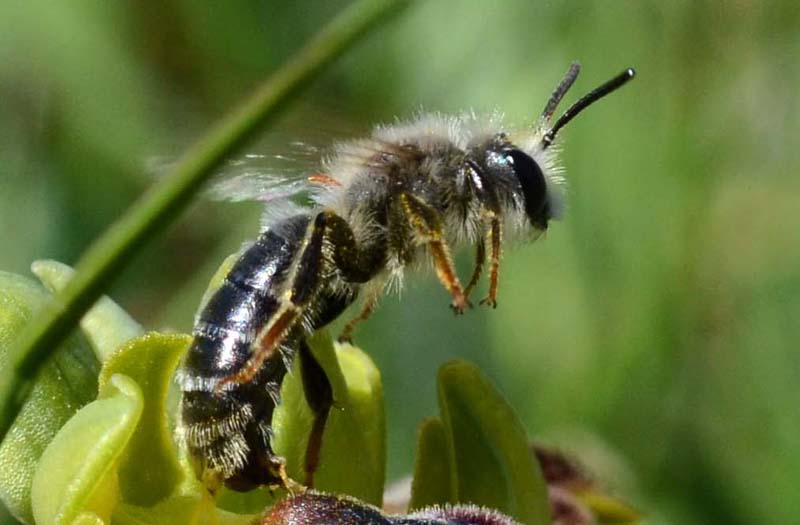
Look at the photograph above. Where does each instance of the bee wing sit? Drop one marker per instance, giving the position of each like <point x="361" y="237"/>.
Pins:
<point x="258" y="177"/>
<point x="265" y="177"/>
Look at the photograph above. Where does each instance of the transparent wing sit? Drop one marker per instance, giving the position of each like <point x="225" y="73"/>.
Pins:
<point x="258" y="177"/>
<point x="265" y="177"/>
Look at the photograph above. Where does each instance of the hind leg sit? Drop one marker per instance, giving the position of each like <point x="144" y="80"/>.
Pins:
<point x="305" y="282"/>
<point x="319" y="395"/>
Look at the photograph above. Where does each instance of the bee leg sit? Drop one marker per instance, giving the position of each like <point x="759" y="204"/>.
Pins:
<point x="287" y="483"/>
<point x="480" y="259"/>
<point x="425" y="221"/>
<point x="357" y="264"/>
<point x="305" y="285"/>
<point x="496" y="238"/>
<point x="369" y="306"/>
<point x="319" y="395"/>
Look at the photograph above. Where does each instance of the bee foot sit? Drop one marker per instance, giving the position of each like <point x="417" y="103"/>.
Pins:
<point x="489" y="301"/>
<point x="459" y="305"/>
<point x="291" y="486"/>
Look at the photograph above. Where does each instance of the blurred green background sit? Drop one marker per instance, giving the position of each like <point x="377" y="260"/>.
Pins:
<point x="655" y="331"/>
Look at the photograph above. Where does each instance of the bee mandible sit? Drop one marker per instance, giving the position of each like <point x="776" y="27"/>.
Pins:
<point x="409" y="192"/>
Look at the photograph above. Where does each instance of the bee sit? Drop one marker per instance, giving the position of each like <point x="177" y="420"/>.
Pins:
<point x="409" y="192"/>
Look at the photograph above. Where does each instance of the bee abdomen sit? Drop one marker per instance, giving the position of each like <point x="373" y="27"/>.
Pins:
<point x="228" y="430"/>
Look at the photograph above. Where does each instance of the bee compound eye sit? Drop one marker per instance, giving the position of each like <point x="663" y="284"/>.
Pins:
<point x="533" y="184"/>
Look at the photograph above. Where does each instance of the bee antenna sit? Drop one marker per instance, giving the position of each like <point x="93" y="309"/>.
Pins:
<point x="560" y="91"/>
<point x="586" y="101"/>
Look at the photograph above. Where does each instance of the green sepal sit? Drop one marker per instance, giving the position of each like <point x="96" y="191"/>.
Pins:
<point x="433" y="474"/>
<point x="77" y="472"/>
<point x="149" y="470"/>
<point x="106" y="324"/>
<point x="353" y="455"/>
<point x="489" y="447"/>
<point x="64" y="385"/>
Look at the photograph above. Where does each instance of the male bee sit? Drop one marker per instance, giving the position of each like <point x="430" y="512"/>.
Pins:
<point x="407" y="192"/>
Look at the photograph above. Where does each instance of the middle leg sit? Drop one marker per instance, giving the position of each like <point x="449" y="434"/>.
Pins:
<point x="427" y="225"/>
<point x="370" y="303"/>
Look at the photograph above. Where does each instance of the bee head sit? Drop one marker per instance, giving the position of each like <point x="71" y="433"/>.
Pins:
<point x="530" y="162"/>
<point x="522" y="180"/>
<point x="520" y="169"/>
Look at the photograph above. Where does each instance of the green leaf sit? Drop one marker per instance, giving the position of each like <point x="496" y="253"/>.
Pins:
<point x="65" y="384"/>
<point x="353" y="455"/>
<point x="433" y="475"/>
<point x="106" y="324"/>
<point x="149" y="470"/>
<point x="77" y="472"/>
<point x="489" y="447"/>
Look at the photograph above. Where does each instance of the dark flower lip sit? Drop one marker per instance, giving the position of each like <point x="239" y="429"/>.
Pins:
<point x="317" y="508"/>
<point x="461" y="515"/>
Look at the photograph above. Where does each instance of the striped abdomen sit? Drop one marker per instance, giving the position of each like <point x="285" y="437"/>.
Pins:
<point x="229" y="431"/>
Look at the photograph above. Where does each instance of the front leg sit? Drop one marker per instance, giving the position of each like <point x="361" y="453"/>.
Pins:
<point x="495" y="241"/>
<point x="480" y="259"/>
<point x="426" y="223"/>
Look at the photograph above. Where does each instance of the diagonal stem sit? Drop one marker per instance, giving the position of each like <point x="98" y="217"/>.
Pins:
<point x="158" y="207"/>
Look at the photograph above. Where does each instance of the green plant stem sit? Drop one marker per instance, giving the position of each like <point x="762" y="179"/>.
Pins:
<point x="107" y="257"/>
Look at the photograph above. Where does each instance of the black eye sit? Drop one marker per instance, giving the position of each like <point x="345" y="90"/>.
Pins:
<point x="534" y="186"/>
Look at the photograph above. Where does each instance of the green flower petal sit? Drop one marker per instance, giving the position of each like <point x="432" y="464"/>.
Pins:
<point x="433" y="475"/>
<point x="77" y="472"/>
<point x="353" y="455"/>
<point x="493" y="463"/>
<point x="247" y="503"/>
<point x="88" y="518"/>
<point x="216" y="280"/>
<point x="67" y="383"/>
<point x="106" y="324"/>
<point x="149" y="470"/>
<point x="179" y="510"/>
